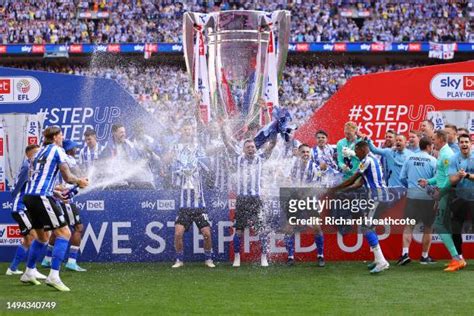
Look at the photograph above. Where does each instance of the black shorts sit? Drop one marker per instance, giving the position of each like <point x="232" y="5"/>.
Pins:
<point x="421" y="211"/>
<point x="186" y="217"/>
<point x="71" y="213"/>
<point x="461" y="211"/>
<point x="44" y="212"/>
<point x="375" y="212"/>
<point x="248" y="212"/>
<point x="24" y="221"/>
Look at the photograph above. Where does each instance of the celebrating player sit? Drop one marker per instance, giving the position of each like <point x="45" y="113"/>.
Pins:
<point x="249" y="204"/>
<point x="394" y="158"/>
<point x="71" y="213"/>
<point x="370" y="172"/>
<point x="305" y="173"/>
<point x="414" y="141"/>
<point x="419" y="205"/>
<point x="322" y="153"/>
<point x="461" y="175"/>
<point x="91" y="151"/>
<point x="347" y="161"/>
<point x="192" y="208"/>
<point x="20" y="214"/>
<point x="44" y="212"/>
<point x="441" y="180"/>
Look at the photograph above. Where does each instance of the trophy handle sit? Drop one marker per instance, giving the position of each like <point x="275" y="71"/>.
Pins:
<point x="188" y="41"/>
<point x="283" y="33"/>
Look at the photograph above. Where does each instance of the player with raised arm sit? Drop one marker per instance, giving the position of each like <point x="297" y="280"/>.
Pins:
<point x="394" y="158"/>
<point x="45" y="214"/>
<point x="189" y="162"/>
<point x="369" y="174"/>
<point x="249" y="204"/>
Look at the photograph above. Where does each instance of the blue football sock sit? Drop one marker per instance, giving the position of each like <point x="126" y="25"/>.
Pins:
<point x="290" y="245"/>
<point x="236" y="243"/>
<point x="20" y="255"/>
<point x="180" y="256"/>
<point x="36" y="248"/>
<point x="319" y="240"/>
<point x="59" y="252"/>
<point x="371" y="238"/>
<point x="208" y="254"/>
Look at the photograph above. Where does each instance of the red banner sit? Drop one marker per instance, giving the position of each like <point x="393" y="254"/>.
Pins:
<point x="397" y="100"/>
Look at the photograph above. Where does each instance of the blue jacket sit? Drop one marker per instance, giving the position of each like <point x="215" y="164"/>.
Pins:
<point x="23" y="177"/>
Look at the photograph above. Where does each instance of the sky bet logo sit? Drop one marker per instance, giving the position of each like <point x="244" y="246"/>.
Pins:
<point x="468" y="82"/>
<point x="453" y="86"/>
<point x="7" y="205"/>
<point x="10" y="231"/>
<point x="91" y="205"/>
<point x="158" y="205"/>
<point x="5" y="86"/>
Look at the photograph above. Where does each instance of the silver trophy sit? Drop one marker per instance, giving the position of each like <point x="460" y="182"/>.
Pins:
<point x="237" y="43"/>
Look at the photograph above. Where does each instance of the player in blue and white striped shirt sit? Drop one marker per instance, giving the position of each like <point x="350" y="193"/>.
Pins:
<point x="44" y="212"/>
<point x="249" y="205"/>
<point x="371" y="174"/>
<point x="305" y="173"/>
<point x="20" y="213"/>
<point x="71" y="212"/>
<point x="91" y="151"/>
<point x="322" y="153"/>
<point x="189" y="161"/>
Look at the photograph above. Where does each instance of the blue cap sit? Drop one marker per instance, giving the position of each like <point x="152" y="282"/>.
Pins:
<point x="69" y="144"/>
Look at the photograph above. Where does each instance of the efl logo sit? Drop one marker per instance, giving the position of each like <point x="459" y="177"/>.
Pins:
<point x="95" y="205"/>
<point x="165" y="205"/>
<point x="13" y="231"/>
<point x="19" y="89"/>
<point x="5" y="86"/>
<point x="468" y="82"/>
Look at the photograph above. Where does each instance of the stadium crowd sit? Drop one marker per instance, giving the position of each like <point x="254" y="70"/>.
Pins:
<point x="164" y="89"/>
<point x="101" y="21"/>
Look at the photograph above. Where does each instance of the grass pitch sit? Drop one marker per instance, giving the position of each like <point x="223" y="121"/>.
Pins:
<point x="304" y="289"/>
